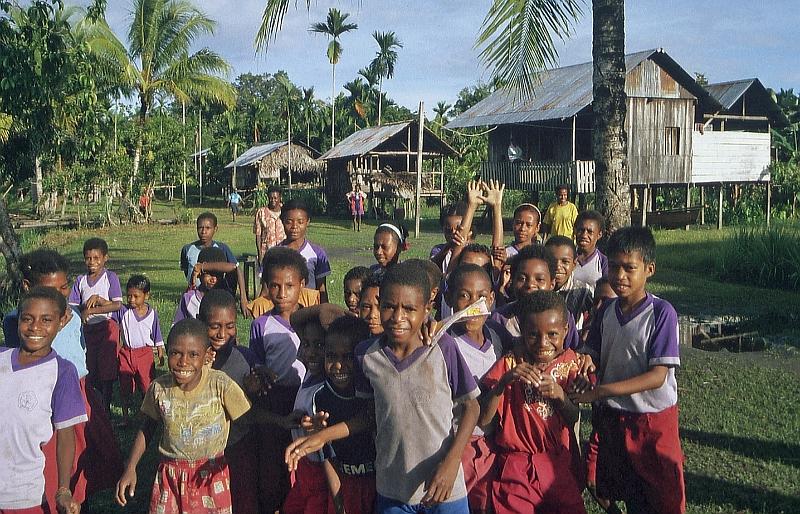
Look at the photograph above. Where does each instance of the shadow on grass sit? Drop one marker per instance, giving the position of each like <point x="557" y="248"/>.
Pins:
<point x="783" y="453"/>
<point x="705" y="490"/>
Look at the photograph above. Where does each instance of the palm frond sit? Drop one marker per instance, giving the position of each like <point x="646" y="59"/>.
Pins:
<point x="517" y="37"/>
<point x="272" y="21"/>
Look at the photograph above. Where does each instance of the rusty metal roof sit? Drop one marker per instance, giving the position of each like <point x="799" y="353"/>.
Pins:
<point x="562" y="93"/>
<point x="255" y="154"/>
<point x="760" y="101"/>
<point x="370" y="138"/>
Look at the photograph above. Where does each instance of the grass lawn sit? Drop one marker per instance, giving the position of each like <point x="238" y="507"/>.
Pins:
<point x="740" y="413"/>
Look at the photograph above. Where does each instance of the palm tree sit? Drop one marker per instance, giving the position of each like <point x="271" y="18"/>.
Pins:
<point x="441" y="110"/>
<point x="358" y="96"/>
<point x="370" y="93"/>
<point x="157" y="60"/>
<point x="229" y="139"/>
<point x="309" y="111"/>
<point x="334" y="26"/>
<point x="261" y="115"/>
<point x="384" y="61"/>
<point x="288" y="96"/>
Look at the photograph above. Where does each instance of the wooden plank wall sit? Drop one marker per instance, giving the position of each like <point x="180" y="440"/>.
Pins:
<point x="541" y="176"/>
<point x="730" y="157"/>
<point x="645" y="124"/>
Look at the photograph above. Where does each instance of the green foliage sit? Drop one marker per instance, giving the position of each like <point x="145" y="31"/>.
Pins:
<point x="313" y="198"/>
<point x="767" y="256"/>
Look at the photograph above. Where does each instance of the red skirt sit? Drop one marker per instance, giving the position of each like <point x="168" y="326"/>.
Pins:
<point x="101" y="350"/>
<point x="243" y="469"/>
<point x="199" y="487"/>
<point x="136" y="369"/>
<point x="478" y="462"/>
<point x="639" y="457"/>
<point x="309" y="493"/>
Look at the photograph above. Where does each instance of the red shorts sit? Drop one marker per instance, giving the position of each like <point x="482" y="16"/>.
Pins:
<point x="136" y="369"/>
<point x="640" y="459"/>
<point x="309" y="493"/>
<point x="101" y="350"/>
<point x="591" y="450"/>
<point x="358" y="494"/>
<point x="540" y="482"/>
<point x="199" y="487"/>
<point x="478" y="462"/>
<point x="243" y="469"/>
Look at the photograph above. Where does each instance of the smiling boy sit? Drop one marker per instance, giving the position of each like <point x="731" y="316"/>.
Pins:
<point x="206" y="229"/>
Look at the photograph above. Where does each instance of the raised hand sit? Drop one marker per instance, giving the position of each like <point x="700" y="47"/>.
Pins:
<point x="475" y="192"/>
<point x="493" y="193"/>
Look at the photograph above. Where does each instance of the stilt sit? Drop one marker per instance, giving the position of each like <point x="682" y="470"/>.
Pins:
<point x="688" y="199"/>
<point x="769" y="201"/>
<point x="719" y="205"/>
<point x="645" y="204"/>
<point x="702" y="205"/>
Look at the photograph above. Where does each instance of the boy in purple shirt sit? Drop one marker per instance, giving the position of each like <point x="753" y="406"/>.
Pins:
<point x="634" y="341"/>
<point x="98" y="294"/>
<point x="295" y="217"/>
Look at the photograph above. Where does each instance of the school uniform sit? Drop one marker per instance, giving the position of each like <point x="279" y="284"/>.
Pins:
<point x="591" y="268"/>
<point x="191" y="251"/>
<point x="189" y="306"/>
<point x="506" y="318"/>
<point x="139" y="337"/>
<point x="261" y="305"/>
<point x="101" y="333"/>
<point x="316" y="262"/>
<point x="578" y="297"/>
<point x="639" y="454"/>
<point x="436" y="250"/>
<point x="537" y="465"/>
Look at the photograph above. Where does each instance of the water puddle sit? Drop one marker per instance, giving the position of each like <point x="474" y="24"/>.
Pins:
<point x="714" y="334"/>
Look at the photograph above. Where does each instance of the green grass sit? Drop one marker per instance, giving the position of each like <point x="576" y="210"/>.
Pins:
<point x="740" y="420"/>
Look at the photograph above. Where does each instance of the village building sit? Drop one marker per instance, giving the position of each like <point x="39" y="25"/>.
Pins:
<point x="274" y="163"/>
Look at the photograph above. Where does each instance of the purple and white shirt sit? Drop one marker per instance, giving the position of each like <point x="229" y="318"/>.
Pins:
<point x="304" y="401"/>
<point x="136" y="332"/>
<point x="592" y="269"/>
<point x="316" y="262"/>
<point x="189" y="306"/>
<point x="436" y="250"/>
<point x="106" y="286"/>
<point x="624" y="346"/>
<point x="275" y="344"/>
<point x="36" y="398"/>
<point x="507" y="319"/>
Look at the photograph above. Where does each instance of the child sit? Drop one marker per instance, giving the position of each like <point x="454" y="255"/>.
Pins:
<point x="450" y="221"/>
<point x="353" y="457"/>
<point x="576" y="294"/>
<point x="295" y="217"/>
<point x="369" y="306"/>
<point x="559" y="219"/>
<point x="194" y="406"/>
<point x="229" y="275"/>
<point x="40" y="395"/>
<point x="481" y="343"/>
<point x="98" y="462"/>
<point x="415" y="388"/>
<point x="634" y="341"/>
<point x="536" y="469"/>
<point x="97" y="294"/>
<point x="206" y="229"/>
<point x="267" y="225"/>
<point x="527" y="220"/>
<point x="388" y="242"/>
<point x="234" y="199"/>
<point x="262" y="304"/>
<point x="356" y="199"/>
<point x="140" y="334"/>
<point x="218" y="312"/>
<point x="189" y="305"/>
<point x="353" y="283"/>
<point x="591" y="264"/>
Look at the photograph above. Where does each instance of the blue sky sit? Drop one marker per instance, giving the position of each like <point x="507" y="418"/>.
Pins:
<point x="726" y="40"/>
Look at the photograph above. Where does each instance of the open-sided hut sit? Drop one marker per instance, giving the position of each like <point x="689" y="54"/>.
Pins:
<point x="270" y="162"/>
<point x="384" y="160"/>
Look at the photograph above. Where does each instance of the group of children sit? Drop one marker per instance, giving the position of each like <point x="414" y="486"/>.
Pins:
<point x="448" y="385"/>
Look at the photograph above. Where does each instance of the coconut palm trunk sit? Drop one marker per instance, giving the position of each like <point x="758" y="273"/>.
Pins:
<point x="333" y="106"/>
<point x="380" y="100"/>
<point x="609" y="139"/>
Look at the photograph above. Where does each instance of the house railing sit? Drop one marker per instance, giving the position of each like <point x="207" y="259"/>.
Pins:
<point x="542" y="175"/>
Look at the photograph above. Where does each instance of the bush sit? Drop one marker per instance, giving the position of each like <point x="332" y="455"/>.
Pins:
<point x="762" y="256"/>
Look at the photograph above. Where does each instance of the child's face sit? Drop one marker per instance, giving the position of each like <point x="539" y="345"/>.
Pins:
<point x="543" y="335"/>
<point x="450" y="226"/>
<point x="526" y="227"/>
<point x="283" y="287"/>
<point x="136" y="297"/>
<point x="221" y="327"/>
<point x="532" y="275"/>
<point x="206" y="230"/>
<point x="339" y="361"/>
<point x="403" y="311"/>
<point x="185" y="357"/>
<point x="295" y="224"/>
<point x="587" y="233"/>
<point x="472" y="287"/>
<point x="565" y="259"/>
<point x="369" y="310"/>
<point x="384" y="248"/>
<point x="312" y="347"/>
<point x="602" y="293"/>
<point x="477" y="258"/>
<point x="352" y="292"/>
<point x="39" y="323"/>
<point x="95" y="261"/>
<point x="628" y="274"/>
<point x="57" y="281"/>
<point x="209" y="280"/>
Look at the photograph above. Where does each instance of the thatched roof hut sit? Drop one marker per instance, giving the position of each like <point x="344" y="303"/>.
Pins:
<point x="270" y="161"/>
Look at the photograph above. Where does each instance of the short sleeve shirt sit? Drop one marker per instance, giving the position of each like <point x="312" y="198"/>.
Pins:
<point x="561" y="218"/>
<point x="316" y="262"/>
<point x="506" y="318"/>
<point x="35" y="399"/>
<point x="436" y="250"/>
<point x="195" y="424"/>
<point x="268" y="228"/>
<point x="275" y="343"/>
<point x="106" y="286"/>
<point x="191" y="251"/>
<point x="136" y="332"/>
<point x="234" y="198"/>
<point x="261" y="305"/>
<point x="189" y="306"/>
<point x="591" y="268"/>
<point x="234" y="361"/>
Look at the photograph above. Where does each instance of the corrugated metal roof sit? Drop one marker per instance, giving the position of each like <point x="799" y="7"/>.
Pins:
<point x="363" y="141"/>
<point x="561" y="93"/>
<point x="759" y="99"/>
<point x="202" y="153"/>
<point x="255" y="154"/>
<point x="727" y="93"/>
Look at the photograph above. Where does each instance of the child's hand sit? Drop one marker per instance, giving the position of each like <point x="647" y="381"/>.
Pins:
<point x="475" y="191"/>
<point x="493" y="193"/>
<point x="126" y="486"/>
<point x="585" y="397"/>
<point x="458" y="239"/>
<point x="96" y="301"/>
<point x="292" y="420"/>
<point x="499" y="256"/>
<point x="259" y="381"/>
<point x="582" y="382"/>
<point x="315" y="423"/>
<point x="65" y="503"/>
<point x="550" y="390"/>
<point x="522" y="372"/>
<point x="301" y="447"/>
<point x="428" y="331"/>
<point x="246" y="312"/>
<point x="440" y="486"/>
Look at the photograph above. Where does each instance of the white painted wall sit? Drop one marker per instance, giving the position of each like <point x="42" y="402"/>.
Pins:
<point x="730" y="157"/>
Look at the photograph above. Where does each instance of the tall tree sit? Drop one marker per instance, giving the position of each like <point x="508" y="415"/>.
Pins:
<point x="309" y="109"/>
<point x="334" y="26"/>
<point x="157" y="59"/>
<point x="289" y="97"/>
<point x="384" y="61"/>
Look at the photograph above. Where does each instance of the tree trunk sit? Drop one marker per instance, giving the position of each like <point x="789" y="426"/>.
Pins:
<point x="36" y="185"/>
<point x="609" y="139"/>
<point x="333" y="106"/>
<point x="380" y="100"/>
<point x="11" y="250"/>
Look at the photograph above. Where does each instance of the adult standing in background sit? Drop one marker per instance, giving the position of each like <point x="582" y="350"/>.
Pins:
<point x="234" y="200"/>
<point x="267" y="225"/>
<point x="559" y="219"/>
<point x="356" y="199"/>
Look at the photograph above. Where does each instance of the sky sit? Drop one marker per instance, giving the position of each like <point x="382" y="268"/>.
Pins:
<point x="723" y="39"/>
